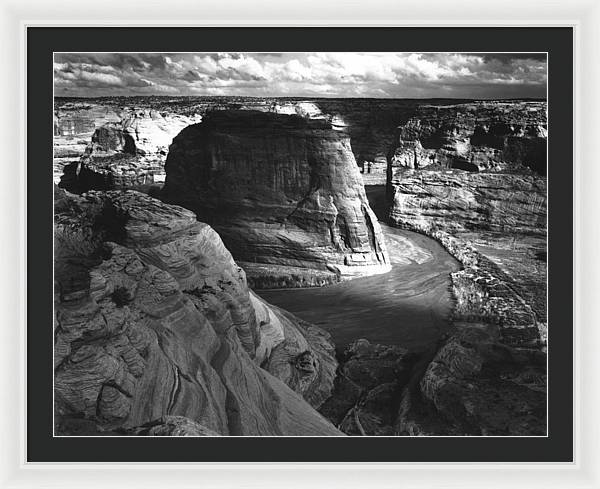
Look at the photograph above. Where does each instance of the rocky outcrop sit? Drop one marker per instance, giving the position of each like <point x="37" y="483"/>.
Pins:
<point x="471" y="167"/>
<point x="477" y="136"/>
<point x="370" y="378"/>
<point x="432" y="133"/>
<point x="74" y="125"/>
<point x="476" y="385"/>
<point x="470" y="383"/>
<point x="284" y="193"/>
<point x="484" y="293"/>
<point x="154" y="319"/>
<point x="128" y="153"/>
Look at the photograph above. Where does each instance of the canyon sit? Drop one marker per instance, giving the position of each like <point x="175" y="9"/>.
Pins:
<point x="397" y="250"/>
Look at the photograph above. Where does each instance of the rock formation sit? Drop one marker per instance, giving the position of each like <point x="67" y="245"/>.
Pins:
<point x="74" y="125"/>
<point x="488" y="377"/>
<point x="283" y="191"/>
<point x="367" y="388"/>
<point x="477" y="136"/>
<point x="459" y="201"/>
<point x="125" y="154"/>
<point x="153" y="319"/>
<point x="471" y="167"/>
<point x="471" y="383"/>
<point x="476" y="385"/>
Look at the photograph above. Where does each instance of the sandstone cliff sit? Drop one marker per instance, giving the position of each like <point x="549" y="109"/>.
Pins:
<point x="459" y="201"/>
<point x="153" y="319"/>
<point x="128" y="152"/>
<point x="494" y="136"/>
<point x="283" y="191"/>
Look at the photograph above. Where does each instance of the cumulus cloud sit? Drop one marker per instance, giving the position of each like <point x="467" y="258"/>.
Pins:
<point x="392" y="75"/>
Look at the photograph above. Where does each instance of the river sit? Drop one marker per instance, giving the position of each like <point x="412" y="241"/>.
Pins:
<point x="408" y="306"/>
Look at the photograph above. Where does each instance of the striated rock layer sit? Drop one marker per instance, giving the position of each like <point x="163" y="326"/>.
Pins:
<point x="460" y="201"/>
<point x="283" y="191"/>
<point x="476" y="166"/>
<point x="154" y="319"/>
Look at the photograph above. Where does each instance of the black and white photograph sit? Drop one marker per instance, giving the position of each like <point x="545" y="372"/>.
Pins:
<point x="300" y="244"/>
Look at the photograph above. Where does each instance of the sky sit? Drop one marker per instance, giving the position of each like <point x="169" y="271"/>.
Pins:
<point x="322" y="74"/>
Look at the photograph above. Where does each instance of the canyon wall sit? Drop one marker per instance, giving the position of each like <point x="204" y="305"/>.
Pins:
<point x="371" y="123"/>
<point x="283" y="191"/>
<point x="471" y="167"/>
<point x="472" y="177"/>
<point x="156" y="331"/>
<point x="477" y="136"/>
<point x="459" y="201"/>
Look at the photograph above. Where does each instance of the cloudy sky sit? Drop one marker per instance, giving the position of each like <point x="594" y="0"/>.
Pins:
<point x="386" y="75"/>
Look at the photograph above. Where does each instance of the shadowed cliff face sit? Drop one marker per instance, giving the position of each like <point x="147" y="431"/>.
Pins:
<point x="477" y="136"/>
<point x="283" y="191"/>
<point x="154" y="319"/>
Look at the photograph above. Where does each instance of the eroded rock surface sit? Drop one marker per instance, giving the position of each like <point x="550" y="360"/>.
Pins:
<point x="364" y="401"/>
<point x="128" y="153"/>
<point x="154" y="319"/>
<point x="460" y="201"/>
<point x="477" y="136"/>
<point x="284" y="193"/>
<point x="476" y="385"/>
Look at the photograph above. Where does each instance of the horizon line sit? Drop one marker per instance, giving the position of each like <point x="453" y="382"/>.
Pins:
<point x="294" y="97"/>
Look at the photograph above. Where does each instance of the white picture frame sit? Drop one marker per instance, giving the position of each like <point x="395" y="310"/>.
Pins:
<point x="583" y="15"/>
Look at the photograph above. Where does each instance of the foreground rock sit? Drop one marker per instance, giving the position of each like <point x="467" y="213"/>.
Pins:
<point x="488" y="377"/>
<point x="154" y="319"/>
<point x="284" y="193"/>
<point x="476" y="385"/>
<point x="470" y="383"/>
<point x="367" y="389"/>
<point x="165" y="426"/>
